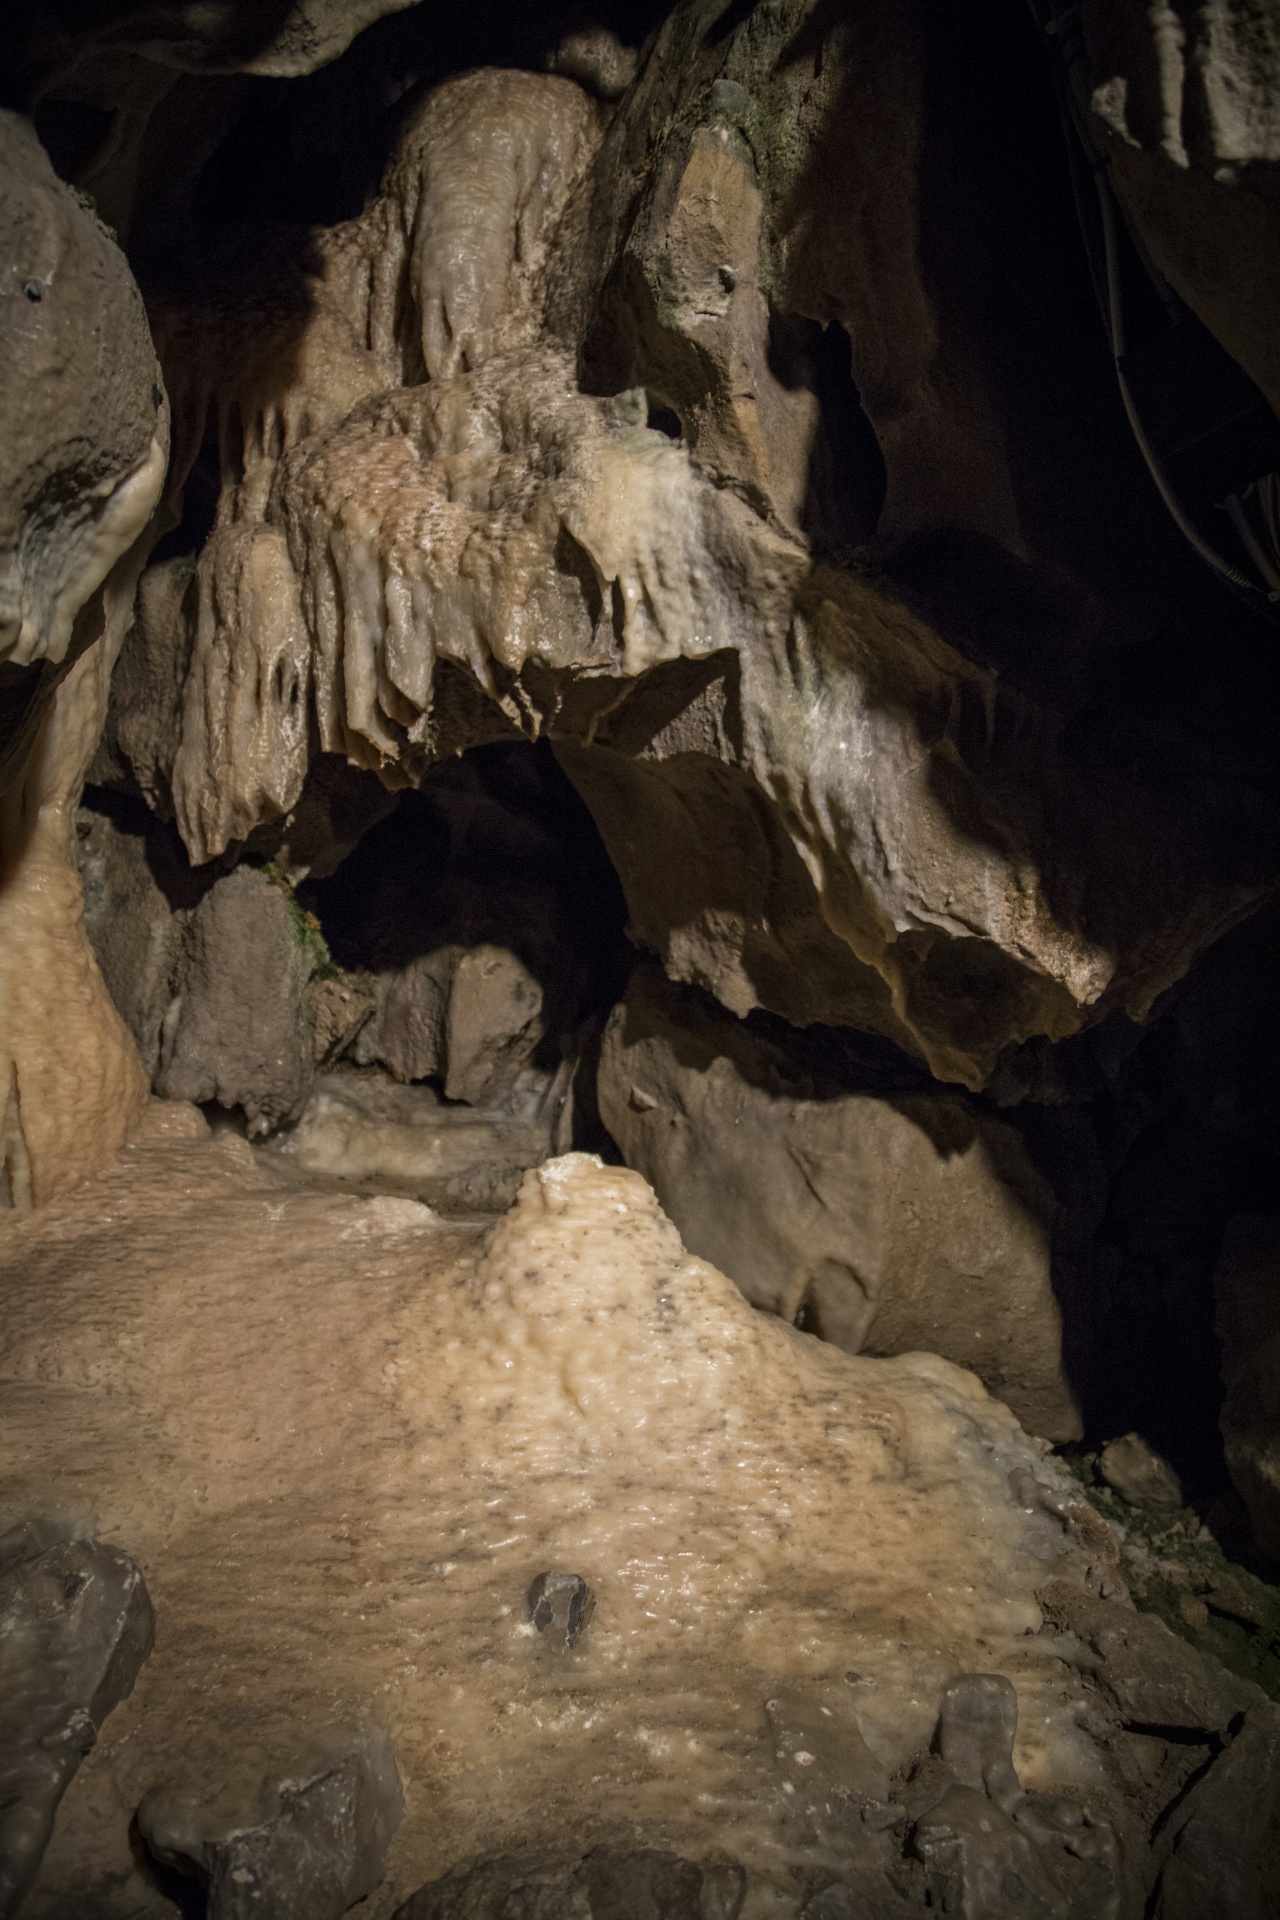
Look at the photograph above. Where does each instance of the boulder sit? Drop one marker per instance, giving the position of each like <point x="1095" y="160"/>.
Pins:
<point x="886" y="1222"/>
<point x="77" y="1625"/>
<point x="1225" y="1856"/>
<point x="307" y="1844"/>
<point x="236" y="1031"/>
<point x="1139" y="1475"/>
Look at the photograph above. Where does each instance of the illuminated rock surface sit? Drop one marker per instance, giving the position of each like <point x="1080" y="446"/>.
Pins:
<point x="342" y="1438"/>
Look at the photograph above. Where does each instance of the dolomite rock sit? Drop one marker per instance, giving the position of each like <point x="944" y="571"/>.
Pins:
<point x="306" y="1846"/>
<point x="593" y="512"/>
<point x="884" y="1221"/>
<point x="760" y="1516"/>
<point x="236" y="1031"/>
<point x="1249" y="1328"/>
<point x="76" y="1625"/>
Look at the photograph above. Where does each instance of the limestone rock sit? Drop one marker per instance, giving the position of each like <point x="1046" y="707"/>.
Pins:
<point x="406" y="1031"/>
<point x="135" y="934"/>
<point x="396" y="1420"/>
<point x="144" y="717"/>
<point x="76" y="1625"/>
<point x="1249" y="1327"/>
<point x="294" y="39"/>
<point x="609" y="1884"/>
<point x="470" y="1016"/>
<point x="365" y="1132"/>
<point x="595" y="513"/>
<point x="1139" y="1475"/>
<point x="1224" y="1857"/>
<point x="986" y="1847"/>
<point x="1190" y="116"/>
<point x="84" y="430"/>
<point x="307" y="1846"/>
<point x="560" y="1607"/>
<point x="236" y="1031"/>
<point x="887" y="1222"/>
<point x="84" y="426"/>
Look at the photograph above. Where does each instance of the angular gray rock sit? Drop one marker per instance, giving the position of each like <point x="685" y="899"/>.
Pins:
<point x="1225" y="1863"/>
<point x="1247" y="1285"/>
<point x="236" y="1031"/>
<point x="305" y="1846"/>
<point x="560" y="1607"/>
<point x="137" y="938"/>
<point x="609" y="1884"/>
<point x="886" y="1223"/>
<point x="989" y="1851"/>
<point x="76" y="1624"/>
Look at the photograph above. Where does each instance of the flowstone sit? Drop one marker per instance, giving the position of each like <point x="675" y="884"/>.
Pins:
<point x="757" y="1515"/>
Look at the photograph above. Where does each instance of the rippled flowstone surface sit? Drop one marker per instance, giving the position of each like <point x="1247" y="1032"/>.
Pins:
<point x="343" y="1439"/>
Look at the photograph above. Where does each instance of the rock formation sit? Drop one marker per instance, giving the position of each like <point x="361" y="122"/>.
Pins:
<point x="637" y="857"/>
<point x="795" y="1553"/>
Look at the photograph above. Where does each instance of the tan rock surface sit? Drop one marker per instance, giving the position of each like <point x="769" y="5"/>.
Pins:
<point x="523" y="426"/>
<point x="883" y="1222"/>
<point x="341" y="1438"/>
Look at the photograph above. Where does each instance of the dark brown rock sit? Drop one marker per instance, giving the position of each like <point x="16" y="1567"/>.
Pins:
<point x="76" y="1624"/>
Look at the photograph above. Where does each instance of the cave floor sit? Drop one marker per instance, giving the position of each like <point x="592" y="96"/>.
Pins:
<point x="341" y="1437"/>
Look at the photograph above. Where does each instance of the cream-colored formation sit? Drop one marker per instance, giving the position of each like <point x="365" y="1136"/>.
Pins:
<point x="342" y="1437"/>
<point x="412" y="475"/>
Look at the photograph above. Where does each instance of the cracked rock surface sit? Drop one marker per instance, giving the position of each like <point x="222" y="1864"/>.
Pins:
<point x="76" y="1624"/>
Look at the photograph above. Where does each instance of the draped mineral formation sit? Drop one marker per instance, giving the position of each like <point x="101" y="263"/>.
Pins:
<point x="528" y="417"/>
<point x="637" y="869"/>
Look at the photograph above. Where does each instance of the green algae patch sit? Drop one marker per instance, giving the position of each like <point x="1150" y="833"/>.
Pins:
<point x="1173" y="1567"/>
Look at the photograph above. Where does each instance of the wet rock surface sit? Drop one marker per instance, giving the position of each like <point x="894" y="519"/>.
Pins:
<point x="662" y="468"/>
<point x="762" y="1518"/>
<point x="76" y="1624"/>
<point x="367" y="1133"/>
